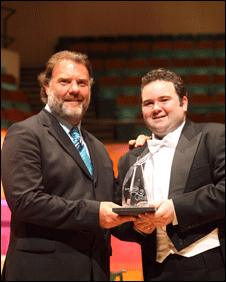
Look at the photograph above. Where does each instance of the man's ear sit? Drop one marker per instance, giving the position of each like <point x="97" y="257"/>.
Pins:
<point x="184" y="103"/>
<point x="46" y="87"/>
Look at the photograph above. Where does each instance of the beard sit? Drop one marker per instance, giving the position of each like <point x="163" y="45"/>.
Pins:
<point x="72" y="114"/>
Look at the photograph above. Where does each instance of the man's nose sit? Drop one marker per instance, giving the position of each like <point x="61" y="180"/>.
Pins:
<point x="156" y="106"/>
<point x="74" y="87"/>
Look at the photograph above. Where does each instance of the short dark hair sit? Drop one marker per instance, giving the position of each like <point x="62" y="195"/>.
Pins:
<point x="45" y="76"/>
<point x="166" y="75"/>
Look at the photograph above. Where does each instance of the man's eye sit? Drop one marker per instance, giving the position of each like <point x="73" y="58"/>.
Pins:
<point x="64" y="81"/>
<point x="82" y="83"/>
<point x="148" y="104"/>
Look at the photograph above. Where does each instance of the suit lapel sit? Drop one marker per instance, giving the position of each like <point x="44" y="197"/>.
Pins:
<point x="144" y="152"/>
<point x="92" y="151"/>
<point x="94" y="155"/>
<point x="59" y="134"/>
<point x="136" y="155"/>
<point x="183" y="159"/>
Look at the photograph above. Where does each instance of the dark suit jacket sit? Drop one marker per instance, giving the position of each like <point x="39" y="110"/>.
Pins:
<point x="197" y="187"/>
<point x="55" y="233"/>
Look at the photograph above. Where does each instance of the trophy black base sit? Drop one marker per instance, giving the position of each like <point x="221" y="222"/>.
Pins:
<point x="133" y="211"/>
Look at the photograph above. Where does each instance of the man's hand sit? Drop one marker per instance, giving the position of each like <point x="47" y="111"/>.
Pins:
<point x="164" y="215"/>
<point x="108" y="218"/>
<point x="140" y="141"/>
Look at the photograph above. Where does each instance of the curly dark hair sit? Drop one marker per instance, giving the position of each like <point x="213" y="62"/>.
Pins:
<point x="166" y="75"/>
<point x="45" y="76"/>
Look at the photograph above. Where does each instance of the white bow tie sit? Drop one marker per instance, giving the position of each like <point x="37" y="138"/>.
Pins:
<point x="154" y="145"/>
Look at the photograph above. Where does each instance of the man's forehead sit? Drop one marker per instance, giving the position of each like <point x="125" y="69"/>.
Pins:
<point x="158" y="87"/>
<point x="69" y="67"/>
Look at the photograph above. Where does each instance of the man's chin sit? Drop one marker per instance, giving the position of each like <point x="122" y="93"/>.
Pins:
<point x="72" y="111"/>
<point x="160" y="130"/>
<point x="74" y="115"/>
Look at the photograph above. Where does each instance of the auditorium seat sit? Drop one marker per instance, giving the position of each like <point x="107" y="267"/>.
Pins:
<point x="8" y="78"/>
<point x="115" y="63"/>
<point x="140" y="45"/>
<point x="15" y="104"/>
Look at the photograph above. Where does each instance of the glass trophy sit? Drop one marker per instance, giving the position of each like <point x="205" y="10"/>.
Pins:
<point x="133" y="190"/>
<point x="134" y="194"/>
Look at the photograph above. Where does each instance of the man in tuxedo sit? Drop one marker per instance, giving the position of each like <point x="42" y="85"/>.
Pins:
<point x="184" y="177"/>
<point x="58" y="183"/>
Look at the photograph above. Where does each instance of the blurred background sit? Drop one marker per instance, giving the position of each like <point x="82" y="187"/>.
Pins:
<point x="123" y="40"/>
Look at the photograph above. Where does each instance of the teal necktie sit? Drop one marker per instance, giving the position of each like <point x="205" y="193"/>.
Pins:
<point x="76" y="137"/>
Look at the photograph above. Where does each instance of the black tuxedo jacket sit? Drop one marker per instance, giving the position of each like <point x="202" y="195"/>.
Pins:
<point x="197" y="187"/>
<point x="55" y="233"/>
